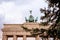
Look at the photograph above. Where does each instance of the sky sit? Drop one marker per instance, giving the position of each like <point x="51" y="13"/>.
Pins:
<point x="15" y="11"/>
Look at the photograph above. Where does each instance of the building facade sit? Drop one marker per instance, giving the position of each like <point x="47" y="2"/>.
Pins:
<point x="16" y="30"/>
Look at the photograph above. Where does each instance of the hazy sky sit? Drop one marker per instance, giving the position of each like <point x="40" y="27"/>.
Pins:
<point x="14" y="11"/>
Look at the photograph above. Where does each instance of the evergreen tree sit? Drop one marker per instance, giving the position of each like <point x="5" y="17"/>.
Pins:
<point x="52" y="14"/>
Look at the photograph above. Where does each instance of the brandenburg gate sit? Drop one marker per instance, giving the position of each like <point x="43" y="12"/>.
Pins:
<point x="16" y="30"/>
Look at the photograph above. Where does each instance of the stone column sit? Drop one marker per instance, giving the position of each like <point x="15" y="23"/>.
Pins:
<point x="24" y="37"/>
<point x="37" y="37"/>
<point x="5" y="37"/>
<point x="14" y="37"/>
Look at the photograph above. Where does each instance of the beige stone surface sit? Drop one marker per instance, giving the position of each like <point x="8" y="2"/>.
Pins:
<point x="16" y="29"/>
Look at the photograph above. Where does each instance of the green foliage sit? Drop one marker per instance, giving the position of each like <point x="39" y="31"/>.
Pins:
<point x="44" y="23"/>
<point x="26" y="29"/>
<point x="52" y="32"/>
<point x="43" y="30"/>
<point x="52" y="16"/>
<point x="54" y="1"/>
<point x="36" y="30"/>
